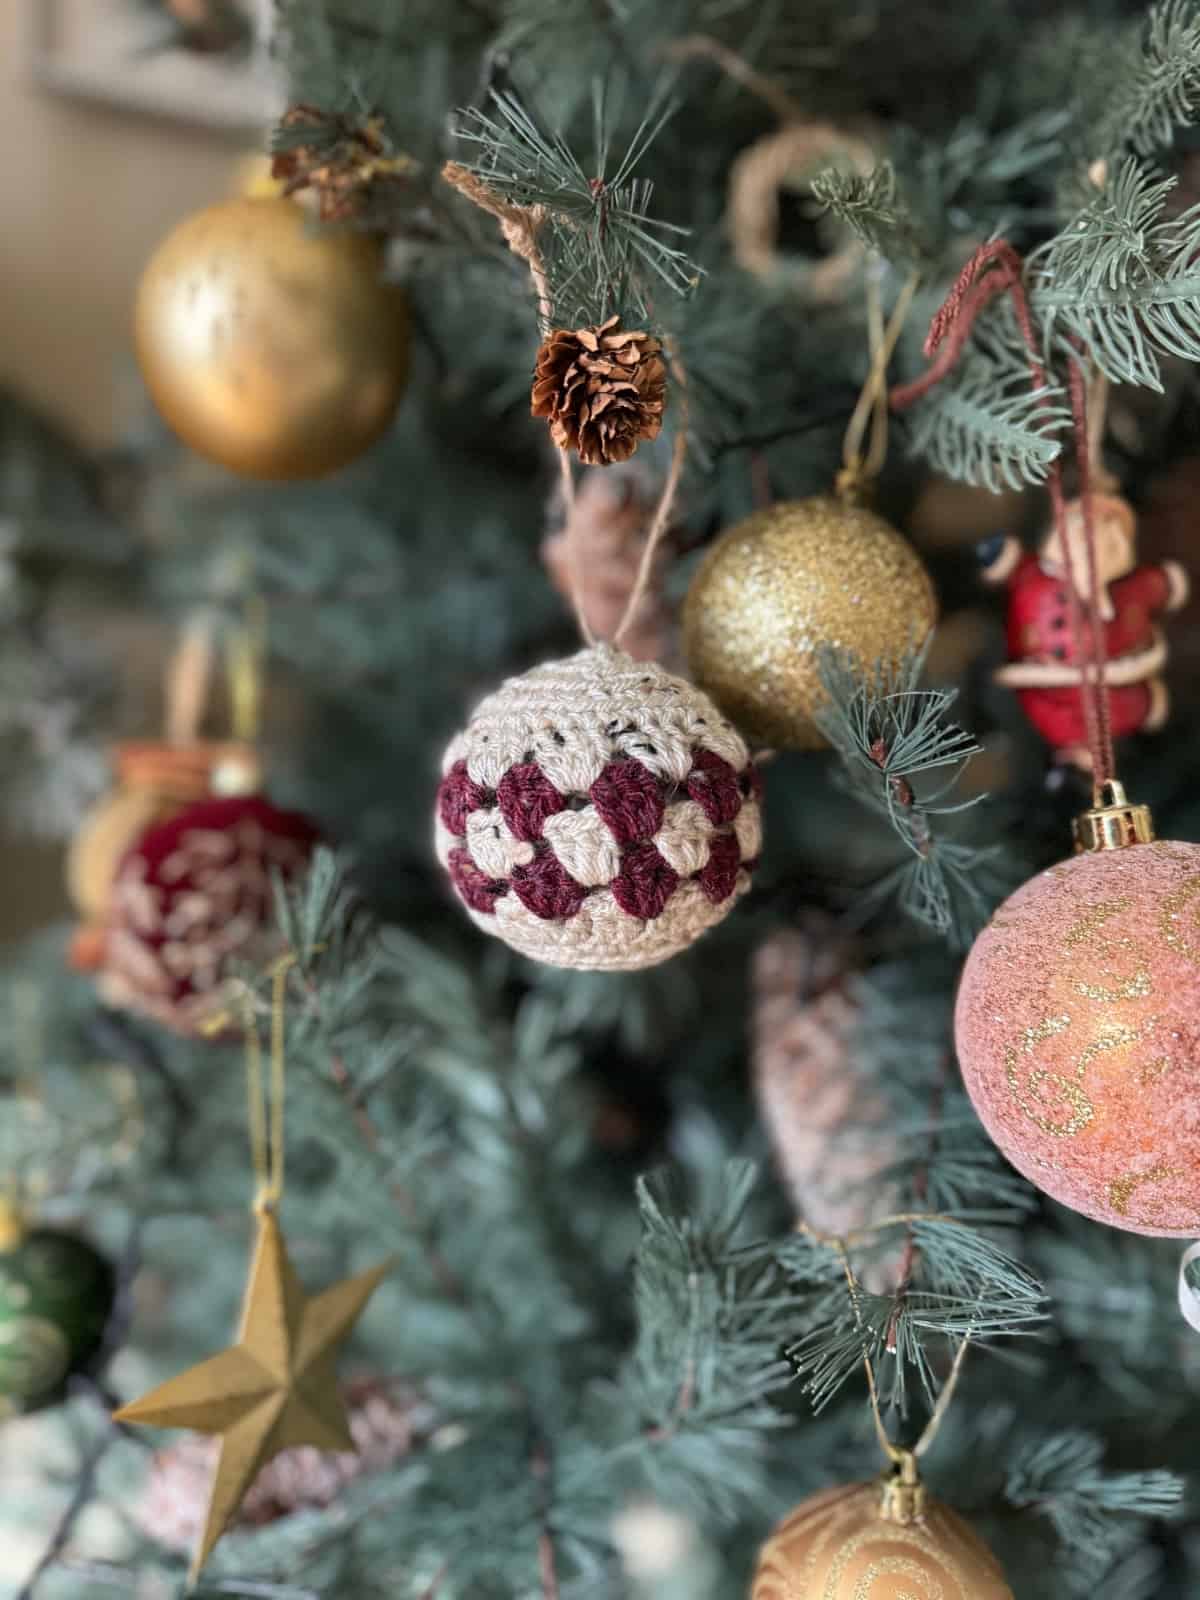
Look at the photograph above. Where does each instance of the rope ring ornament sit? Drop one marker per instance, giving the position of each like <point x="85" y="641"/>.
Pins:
<point x="788" y="159"/>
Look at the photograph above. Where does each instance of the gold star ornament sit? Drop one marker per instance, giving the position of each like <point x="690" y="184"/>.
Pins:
<point x="276" y="1388"/>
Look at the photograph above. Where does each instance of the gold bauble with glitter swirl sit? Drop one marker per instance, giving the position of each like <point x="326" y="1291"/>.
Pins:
<point x="271" y="348"/>
<point x="775" y="588"/>
<point x="872" y="1541"/>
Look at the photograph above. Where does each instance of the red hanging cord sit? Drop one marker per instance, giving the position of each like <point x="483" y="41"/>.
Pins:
<point x="1103" y="763"/>
<point x="993" y="270"/>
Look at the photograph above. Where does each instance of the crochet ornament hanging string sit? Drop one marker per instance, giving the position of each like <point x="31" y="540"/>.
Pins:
<point x="995" y="269"/>
<point x="521" y="226"/>
<point x="860" y="469"/>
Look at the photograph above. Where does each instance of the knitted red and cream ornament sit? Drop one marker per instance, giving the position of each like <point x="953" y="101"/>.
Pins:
<point x="193" y="899"/>
<point x="598" y="812"/>
<point x="155" y="779"/>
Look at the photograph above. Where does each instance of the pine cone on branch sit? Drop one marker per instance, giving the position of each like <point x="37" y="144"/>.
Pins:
<point x="605" y="534"/>
<point x="602" y="389"/>
<point x="830" y="1133"/>
<point x="209" y="27"/>
<point x="386" y="1423"/>
<point x="348" y="165"/>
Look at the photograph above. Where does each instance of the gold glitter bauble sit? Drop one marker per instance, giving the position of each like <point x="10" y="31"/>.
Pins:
<point x="790" y="578"/>
<point x="277" y="351"/>
<point x="840" y="1545"/>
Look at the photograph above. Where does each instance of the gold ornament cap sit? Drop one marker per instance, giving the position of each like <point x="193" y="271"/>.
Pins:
<point x="182" y="773"/>
<point x="13" y="1227"/>
<point x="236" y="769"/>
<point x="903" y="1494"/>
<point x="1113" y="822"/>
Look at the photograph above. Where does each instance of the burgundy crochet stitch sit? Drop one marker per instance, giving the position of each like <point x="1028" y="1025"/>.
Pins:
<point x="632" y="803"/>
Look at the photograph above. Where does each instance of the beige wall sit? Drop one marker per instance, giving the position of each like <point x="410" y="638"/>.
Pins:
<point x="85" y="193"/>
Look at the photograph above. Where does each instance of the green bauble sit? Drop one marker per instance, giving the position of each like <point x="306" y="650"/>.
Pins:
<point x="56" y="1294"/>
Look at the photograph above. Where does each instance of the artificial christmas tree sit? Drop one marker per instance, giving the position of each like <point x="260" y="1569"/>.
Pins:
<point x="704" y="244"/>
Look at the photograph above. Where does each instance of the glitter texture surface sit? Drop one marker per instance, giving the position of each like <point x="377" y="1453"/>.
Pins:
<point x="836" y="1546"/>
<point x="1078" y="1033"/>
<point x="782" y="583"/>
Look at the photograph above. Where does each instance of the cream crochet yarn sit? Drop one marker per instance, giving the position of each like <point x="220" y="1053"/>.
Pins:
<point x="598" y="812"/>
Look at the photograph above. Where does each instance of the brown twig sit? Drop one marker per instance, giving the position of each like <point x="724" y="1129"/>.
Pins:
<point x="547" y="1563"/>
<point x="908" y="1261"/>
<point x="687" y="1385"/>
<point x="760" y="479"/>
<point x="905" y="798"/>
<point x="520" y="226"/>
<point x="702" y="46"/>
<point x="81" y="1497"/>
<point x="683" y="1404"/>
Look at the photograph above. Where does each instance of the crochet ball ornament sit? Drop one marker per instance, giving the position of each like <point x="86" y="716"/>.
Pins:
<point x="193" y="900"/>
<point x="786" y="581"/>
<point x="598" y="812"/>
<point x="852" y="1544"/>
<point x="155" y="779"/>
<point x="270" y="348"/>
<point x="56" y="1294"/>
<point x="1078" y="1031"/>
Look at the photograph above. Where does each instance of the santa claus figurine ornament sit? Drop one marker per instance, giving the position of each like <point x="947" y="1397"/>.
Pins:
<point x="1044" y="666"/>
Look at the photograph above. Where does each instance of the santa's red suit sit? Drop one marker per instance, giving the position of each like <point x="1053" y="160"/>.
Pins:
<point x="1044" y="667"/>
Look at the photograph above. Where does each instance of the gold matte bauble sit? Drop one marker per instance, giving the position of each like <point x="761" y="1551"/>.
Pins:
<point x="778" y="586"/>
<point x="275" y="350"/>
<point x="843" y="1545"/>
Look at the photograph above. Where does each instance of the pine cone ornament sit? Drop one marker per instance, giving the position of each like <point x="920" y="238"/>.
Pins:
<point x="347" y="163"/>
<point x="602" y="389"/>
<point x="209" y="27"/>
<point x="830" y="1134"/>
<point x="603" y="538"/>
<point x="193" y="899"/>
<point x="173" y="1506"/>
<point x="598" y="813"/>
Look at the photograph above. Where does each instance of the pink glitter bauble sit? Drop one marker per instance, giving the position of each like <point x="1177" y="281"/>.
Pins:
<point x="1078" y="1032"/>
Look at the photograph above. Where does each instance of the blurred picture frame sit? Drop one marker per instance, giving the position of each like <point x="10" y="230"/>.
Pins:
<point x="132" y="56"/>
